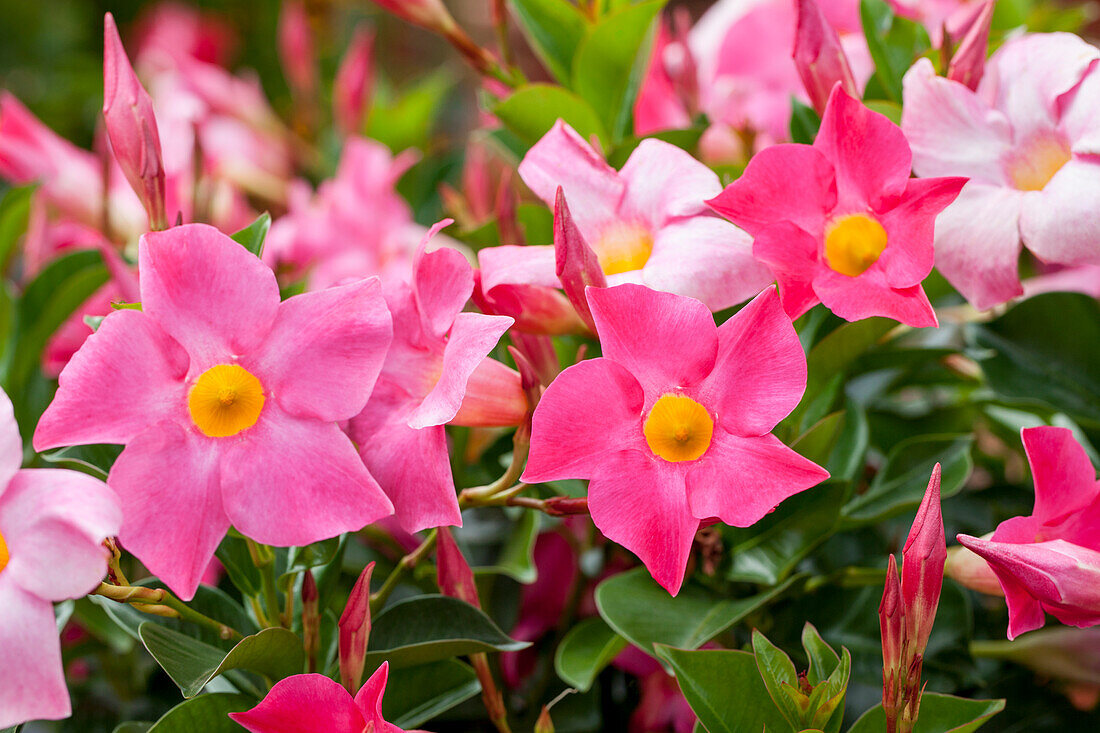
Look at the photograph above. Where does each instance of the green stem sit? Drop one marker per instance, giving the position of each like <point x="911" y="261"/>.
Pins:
<point x="404" y="566"/>
<point x="264" y="560"/>
<point x="158" y="600"/>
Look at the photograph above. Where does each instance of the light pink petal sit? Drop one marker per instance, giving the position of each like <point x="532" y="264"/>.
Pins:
<point x="11" y="444"/>
<point x="325" y="350"/>
<point x="666" y="341"/>
<point x="1079" y="279"/>
<point x="739" y="480"/>
<point x="1060" y="223"/>
<point x="792" y="255"/>
<point x="514" y="265"/>
<point x="591" y="410"/>
<point x="172" y="517"/>
<point x="1080" y="120"/>
<point x="910" y="229"/>
<point x="292" y="481"/>
<point x="208" y="292"/>
<point x="1065" y="480"/>
<point x="762" y="196"/>
<point x="760" y="373"/>
<point x="32" y="680"/>
<point x="443" y="281"/>
<point x="951" y="130"/>
<point x="640" y="502"/>
<point x="127" y="376"/>
<point x="369" y="700"/>
<point x="664" y="182"/>
<point x="708" y="259"/>
<point x="411" y="465"/>
<point x="869" y="294"/>
<point x="54" y="522"/>
<point x="304" y="703"/>
<point x="978" y="244"/>
<point x="471" y="339"/>
<point x="563" y="158"/>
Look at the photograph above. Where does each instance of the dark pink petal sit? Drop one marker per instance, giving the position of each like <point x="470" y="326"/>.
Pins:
<point x="760" y="373"/>
<point x="590" y="411"/>
<point x="207" y="292"/>
<point x="868" y="295"/>
<point x="369" y="700"/>
<point x="792" y="255"/>
<point x="32" y="680"/>
<point x="292" y="481"/>
<point x="172" y="517"/>
<point x="739" y="480"/>
<point x="127" y="376"/>
<point x="304" y="703"/>
<point x="910" y="229"/>
<point x="1059" y="223"/>
<point x="640" y="501"/>
<point x="575" y="263"/>
<point x="666" y="341"/>
<point x="443" y="281"/>
<point x="664" y="182"/>
<point x="325" y="350"/>
<point x="1065" y="480"/>
<point x="11" y="444"/>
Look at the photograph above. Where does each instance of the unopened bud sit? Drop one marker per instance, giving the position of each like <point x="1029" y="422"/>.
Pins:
<point x="452" y="571"/>
<point x="296" y="51"/>
<point x="544" y="724"/>
<point x="311" y="619"/>
<point x="576" y="263"/>
<point x="971" y="571"/>
<point x="923" y="560"/>
<point x="968" y="62"/>
<point x="351" y="90"/>
<point x="819" y="57"/>
<point x="355" y="632"/>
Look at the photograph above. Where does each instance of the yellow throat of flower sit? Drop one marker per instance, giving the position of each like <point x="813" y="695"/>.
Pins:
<point x="853" y="243"/>
<point x="1037" y="163"/>
<point x="624" y="247"/>
<point x="678" y="428"/>
<point x="225" y="400"/>
<point x="4" y="555"/>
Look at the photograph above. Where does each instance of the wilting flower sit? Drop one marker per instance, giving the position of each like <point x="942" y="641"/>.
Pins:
<point x="841" y="222"/>
<point x="1027" y="139"/>
<point x="227" y="402"/>
<point x="436" y="372"/>
<point x="52" y="526"/>
<point x="1050" y="561"/>
<point x="314" y="702"/>
<point x="672" y="425"/>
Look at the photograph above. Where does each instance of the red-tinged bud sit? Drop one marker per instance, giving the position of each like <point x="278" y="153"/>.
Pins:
<point x="452" y="571"/>
<point x="535" y="308"/>
<point x="355" y="632"/>
<point x="923" y="559"/>
<point x="351" y="91"/>
<point x="296" y="51"/>
<point x="891" y="616"/>
<point x="820" y="60"/>
<point x="430" y="14"/>
<point x="561" y="506"/>
<point x="544" y="724"/>
<point x="132" y="127"/>
<point x="968" y="62"/>
<point x="507" y="203"/>
<point x="539" y="353"/>
<point x="311" y="620"/>
<point x="576" y="262"/>
<point x="494" y="397"/>
<point x="970" y="570"/>
<point x="529" y="378"/>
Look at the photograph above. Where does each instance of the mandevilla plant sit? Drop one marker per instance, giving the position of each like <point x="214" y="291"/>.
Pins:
<point x="553" y="365"/>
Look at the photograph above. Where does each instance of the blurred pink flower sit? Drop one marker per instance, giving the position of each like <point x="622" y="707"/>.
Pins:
<point x="296" y="49"/>
<point x="351" y="90"/>
<point x="182" y="30"/>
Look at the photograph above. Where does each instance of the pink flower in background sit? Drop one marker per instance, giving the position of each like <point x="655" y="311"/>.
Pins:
<point x="351" y="90"/>
<point x="1027" y="138"/>
<point x="672" y="425"/>
<point x="436" y="372"/>
<point x="183" y="30"/>
<point x="935" y="14"/>
<point x="841" y="222"/>
<point x="227" y="401"/>
<point x="1050" y="561"/>
<point x="52" y="526"/>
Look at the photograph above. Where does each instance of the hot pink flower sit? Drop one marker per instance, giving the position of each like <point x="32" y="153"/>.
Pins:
<point x="1027" y="138"/>
<point x="647" y="223"/>
<point x="227" y="401"/>
<point x="841" y="222"/>
<point x="313" y="703"/>
<point x="52" y="526"/>
<point x="672" y="425"/>
<point x="1050" y="561"/>
<point x="436" y="372"/>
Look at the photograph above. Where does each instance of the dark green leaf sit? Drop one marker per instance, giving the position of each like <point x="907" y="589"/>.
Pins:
<point x="405" y="120"/>
<point x="938" y="714"/>
<point x="894" y="42"/>
<point x="204" y="714"/>
<point x="133" y="726"/>
<point x="823" y="659"/>
<point x="252" y="236"/>
<point x="585" y="651"/>
<point x="516" y="558"/>
<point x="15" y="210"/>
<point x="311" y="556"/>
<point x="234" y="557"/>
<point x="804" y="122"/>
<point x="532" y="110"/>
<point x="776" y="671"/>
<point x="554" y="28"/>
<point x="415" y="695"/>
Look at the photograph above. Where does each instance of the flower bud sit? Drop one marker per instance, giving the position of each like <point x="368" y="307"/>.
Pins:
<point x="430" y="14"/>
<point x="311" y="619"/>
<point x="453" y="573"/>
<point x="576" y="263"/>
<point x="891" y="616"/>
<point x="818" y="56"/>
<point x="296" y="52"/>
<point x="355" y="632"/>
<point x="535" y="308"/>
<point x="923" y="559"/>
<point x="544" y="724"/>
<point x="351" y="90"/>
<point x="968" y="62"/>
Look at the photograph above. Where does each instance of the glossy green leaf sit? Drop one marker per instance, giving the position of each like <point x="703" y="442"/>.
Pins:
<point x="938" y="714"/>
<point x="405" y="119"/>
<point x="823" y="659"/>
<point x="554" y="28"/>
<point x="205" y="714"/>
<point x="311" y="556"/>
<point x="252" y="236"/>
<point x="804" y="122"/>
<point x="777" y="673"/>
<point x="233" y="554"/>
<point x="533" y="109"/>
<point x="517" y="554"/>
<point x="15" y="208"/>
<point x="894" y="42"/>
<point x="133" y="726"/>
<point x="585" y="651"/>
<point x="415" y="695"/>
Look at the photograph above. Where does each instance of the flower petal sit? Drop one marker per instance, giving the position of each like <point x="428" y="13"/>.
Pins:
<point x="1065" y="481"/>
<point x="869" y="294"/>
<point x="910" y="229"/>
<point x="32" y="680"/>
<point x="369" y="700"/>
<point x="11" y="444"/>
<point x="792" y="255"/>
<point x="514" y="265"/>
<point x="664" y="182"/>
<point x="443" y="283"/>
<point x="1059" y="223"/>
<point x="304" y="703"/>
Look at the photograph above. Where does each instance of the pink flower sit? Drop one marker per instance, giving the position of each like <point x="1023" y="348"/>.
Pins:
<point x="1027" y="139"/>
<point x="227" y="401"/>
<point x="840" y="222"/>
<point x="660" y="104"/>
<point x="672" y="425"/>
<point x="436" y="372"/>
<point x="313" y="702"/>
<point x="296" y="50"/>
<point x="181" y="30"/>
<point x="1050" y="561"/>
<point x="647" y="223"/>
<point x="52" y="526"/>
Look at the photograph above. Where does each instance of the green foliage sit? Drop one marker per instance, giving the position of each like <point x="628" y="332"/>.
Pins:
<point x="204" y="714"/>
<point x="585" y="651"/>
<point x="894" y="42"/>
<point x="938" y="714"/>
<point x="532" y="110"/>
<point x="415" y="695"/>
<point x="252" y="236"/>
<point x="555" y="28"/>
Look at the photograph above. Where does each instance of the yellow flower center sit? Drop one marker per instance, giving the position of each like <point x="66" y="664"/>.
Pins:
<point x="225" y="400"/>
<point x="853" y="243"/>
<point x="1037" y="163"/>
<point x="678" y="428"/>
<point x="4" y="556"/>
<point x="624" y="247"/>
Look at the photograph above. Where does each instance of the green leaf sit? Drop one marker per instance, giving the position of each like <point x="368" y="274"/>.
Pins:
<point x="724" y="690"/>
<point x="405" y="120"/>
<point x="777" y="672"/>
<point x="611" y="62"/>
<point x="585" y="651"/>
<point x="233" y="554"/>
<point x="804" y="122"/>
<point x="205" y="714"/>
<point x="554" y="28"/>
<point x="901" y="483"/>
<point x="311" y="556"/>
<point x="415" y="695"/>
<point x="645" y="614"/>
<point x="823" y="659"/>
<point x="432" y="627"/>
<point x="894" y="42"/>
<point x="252" y="236"/>
<point x="15" y="209"/>
<point x="133" y="726"/>
<point x="938" y="714"/>
<point x="1027" y="361"/>
<point x="94" y="459"/>
<point x="517" y="555"/>
<point x="533" y="109"/>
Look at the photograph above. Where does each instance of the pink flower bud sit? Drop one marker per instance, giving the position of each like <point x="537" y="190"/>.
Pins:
<point x="296" y="51"/>
<point x="923" y="559"/>
<point x="891" y="616"/>
<point x="351" y="90"/>
<point x="430" y="14"/>
<point x="576" y="262"/>
<point x="820" y="60"/>
<point x="494" y="397"/>
<point x="132" y="127"/>
<point x="535" y="308"/>
<point x="311" y="619"/>
<point x="355" y="632"/>
<point x="971" y="571"/>
<point x="968" y="62"/>
<point x="452" y="571"/>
